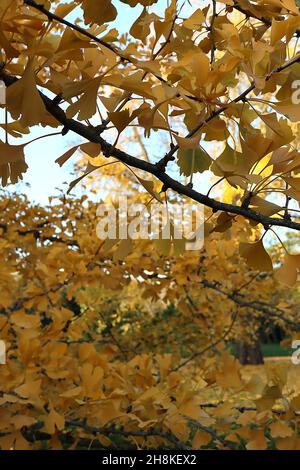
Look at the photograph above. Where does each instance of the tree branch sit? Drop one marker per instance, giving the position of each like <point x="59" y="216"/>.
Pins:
<point x="51" y="16"/>
<point x="242" y="97"/>
<point x="255" y="305"/>
<point x="91" y="134"/>
<point x="212" y="33"/>
<point x="113" y="431"/>
<point x="263" y="19"/>
<point x="210" y="346"/>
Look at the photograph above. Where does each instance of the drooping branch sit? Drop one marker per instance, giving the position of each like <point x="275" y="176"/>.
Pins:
<point x="53" y="17"/>
<point x="239" y="299"/>
<point x="270" y="311"/>
<point x="34" y="433"/>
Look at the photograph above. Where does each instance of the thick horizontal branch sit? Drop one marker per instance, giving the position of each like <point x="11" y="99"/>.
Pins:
<point x="241" y="409"/>
<point x="91" y="134"/>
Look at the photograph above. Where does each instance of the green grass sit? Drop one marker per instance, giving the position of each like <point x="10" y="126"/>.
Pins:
<point x="268" y="350"/>
<point x="274" y="349"/>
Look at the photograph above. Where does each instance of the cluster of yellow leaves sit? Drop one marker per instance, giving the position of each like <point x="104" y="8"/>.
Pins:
<point x="171" y="71"/>
<point x="104" y="367"/>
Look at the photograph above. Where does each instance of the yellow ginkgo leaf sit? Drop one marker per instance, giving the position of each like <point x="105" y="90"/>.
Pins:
<point x="65" y="157"/>
<point x="94" y="12"/>
<point x="11" y="153"/>
<point x="120" y="119"/>
<point x="291" y="111"/>
<point x="287" y="273"/>
<point x="257" y="440"/>
<point x="124" y="249"/>
<point x="256" y="256"/>
<point x="54" y="421"/>
<point x="23" y="99"/>
<point x="187" y="143"/>
<point x="13" y="171"/>
<point x="195" y="20"/>
<point x="280" y="429"/>
<point x="85" y="106"/>
<point x="149" y="186"/>
<point x="91" y="149"/>
<point x="200" y="439"/>
<point x="73" y="392"/>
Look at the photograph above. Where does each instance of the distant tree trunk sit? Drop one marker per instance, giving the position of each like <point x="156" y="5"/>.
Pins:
<point x="247" y="353"/>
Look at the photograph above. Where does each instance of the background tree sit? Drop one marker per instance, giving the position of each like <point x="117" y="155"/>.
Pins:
<point x="106" y="348"/>
<point x="115" y="343"/>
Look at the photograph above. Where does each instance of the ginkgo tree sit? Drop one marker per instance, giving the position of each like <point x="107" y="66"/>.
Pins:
<point x="217" y="81"/>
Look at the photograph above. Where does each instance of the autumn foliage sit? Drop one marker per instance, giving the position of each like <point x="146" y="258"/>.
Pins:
<point x="91" y="349"/>
<point x="122" y="343"/>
